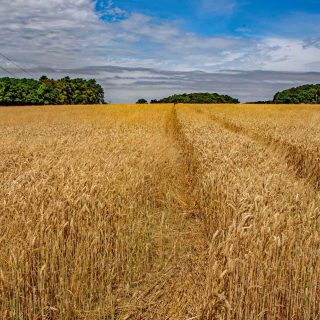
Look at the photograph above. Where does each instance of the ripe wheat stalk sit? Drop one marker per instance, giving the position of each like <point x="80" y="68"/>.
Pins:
<point x="159" y="212"/>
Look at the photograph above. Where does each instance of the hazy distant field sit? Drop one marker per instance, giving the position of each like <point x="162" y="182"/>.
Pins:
<point x="160" y="212"/>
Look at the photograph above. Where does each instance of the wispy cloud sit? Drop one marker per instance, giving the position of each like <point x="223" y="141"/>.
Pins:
<point x="108" y="10"/>
<point x="243" y="30"/>
<point x="127" y="84"/>
<point x="218" y="7"/>
<point x="60" y="34"/>
<point x="293" y="25"/>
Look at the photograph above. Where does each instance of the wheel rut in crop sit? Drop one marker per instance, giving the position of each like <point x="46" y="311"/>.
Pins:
<point x="302" y="162"/>
<point x="173" y="293"/>
<point x="188" y="168"/>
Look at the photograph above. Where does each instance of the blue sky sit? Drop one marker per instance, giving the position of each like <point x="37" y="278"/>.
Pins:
<point x="150" y="49"/>
<point x="232" y="17"/>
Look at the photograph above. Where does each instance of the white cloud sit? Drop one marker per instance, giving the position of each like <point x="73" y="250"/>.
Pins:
<point x="289" y="54"/>
<point x="59" y="34"/>
<point x="112" y="12"/>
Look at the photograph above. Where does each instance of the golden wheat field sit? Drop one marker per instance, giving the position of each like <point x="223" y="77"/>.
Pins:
<point x="160" y="212"/>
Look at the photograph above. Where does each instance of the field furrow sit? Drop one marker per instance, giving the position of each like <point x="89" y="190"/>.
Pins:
<point x="164" y="294"/>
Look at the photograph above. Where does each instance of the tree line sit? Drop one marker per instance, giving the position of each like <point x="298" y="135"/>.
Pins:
<point x="195" y="98"/>
<point x="47" y="91"/>
<point x="309" y="93"/>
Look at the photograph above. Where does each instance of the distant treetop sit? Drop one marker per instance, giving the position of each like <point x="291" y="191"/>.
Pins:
<point x="48" y="91"/>
<point x="309" y="93"/>
<point x="197" y="98"/>
<point x="260" y="102"/>
<point x="142" y="101"/>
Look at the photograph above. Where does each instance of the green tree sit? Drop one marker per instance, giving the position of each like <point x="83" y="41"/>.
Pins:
<point x="48" y="91"/>
<point x="197" y="98"/>
<point x="304" y="94"/>
<point x="142" y="101"/>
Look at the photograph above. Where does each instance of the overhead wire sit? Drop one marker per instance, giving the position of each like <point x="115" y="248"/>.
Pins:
<point x="16" y="64"/>
<point x="9" y="72"/>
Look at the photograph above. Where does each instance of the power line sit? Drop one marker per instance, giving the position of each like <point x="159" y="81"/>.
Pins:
<point x="4" y="69"/>
<point x="27" y="72"/>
